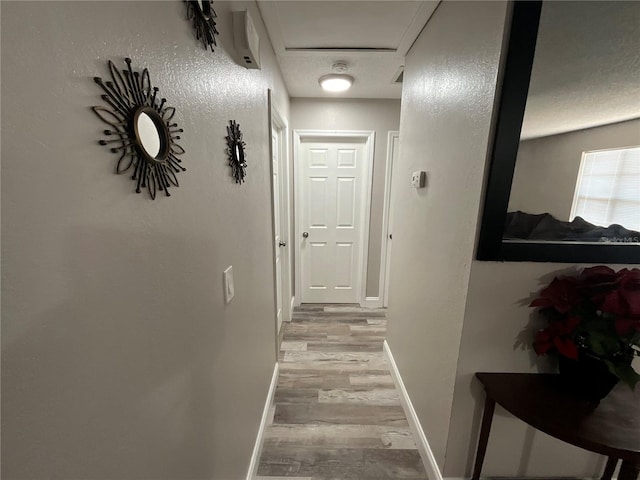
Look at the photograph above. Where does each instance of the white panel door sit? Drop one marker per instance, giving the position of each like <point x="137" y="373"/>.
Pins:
<point x="392" y="159"/>
<point x="333" y="189"/>
<point x="278" y="242"/>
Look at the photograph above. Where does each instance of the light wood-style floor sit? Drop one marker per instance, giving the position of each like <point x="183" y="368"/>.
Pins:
<point x="336" y="412"/>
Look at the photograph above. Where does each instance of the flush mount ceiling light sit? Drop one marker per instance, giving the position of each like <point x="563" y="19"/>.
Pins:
<point x="335" y="82"/>
<point x="338" y="81"/>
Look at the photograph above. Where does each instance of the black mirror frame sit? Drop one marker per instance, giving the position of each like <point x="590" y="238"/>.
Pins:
<point x="128" y="94"/>
<point x="235" y="152"/>
<point x="203" y="20"/>
<point x="510" y="114"/>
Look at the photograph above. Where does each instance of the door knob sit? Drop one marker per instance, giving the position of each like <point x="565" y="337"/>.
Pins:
<point x="305" y="234"/>
<point x="282" y="244"/>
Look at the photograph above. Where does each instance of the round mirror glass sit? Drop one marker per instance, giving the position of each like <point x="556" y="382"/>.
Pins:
<point x="148" y="135"/>
<point x="238" y="155"/>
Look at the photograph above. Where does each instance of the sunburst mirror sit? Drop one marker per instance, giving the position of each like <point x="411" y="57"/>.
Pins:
<point x="202" y="15"/>
<point x="141" y="129"/>
<point x="235" y="152"/>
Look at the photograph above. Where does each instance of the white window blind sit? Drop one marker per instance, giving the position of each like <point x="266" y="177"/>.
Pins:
<point x="608" y="188"/>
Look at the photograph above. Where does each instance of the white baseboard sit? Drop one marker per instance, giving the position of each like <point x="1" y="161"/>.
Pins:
<point x="292" y="306"/>
<point x="372" y="302"/>
<point x="257" y="448"/>
<point x="429" y="461"/>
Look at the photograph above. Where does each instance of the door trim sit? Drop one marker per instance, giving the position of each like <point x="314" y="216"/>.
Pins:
<point x="285" y="193"/>
<point x="369" y="137"/>
<point x="278" y="122"/>
<point x="383" y="289"/>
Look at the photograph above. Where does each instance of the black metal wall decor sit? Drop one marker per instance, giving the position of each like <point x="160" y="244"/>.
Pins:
<point x="201" y="14"/>
<point x="235" y="152"/>
<point x="141" y="129"/>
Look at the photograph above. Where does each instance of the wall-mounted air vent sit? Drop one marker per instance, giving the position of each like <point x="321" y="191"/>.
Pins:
<point x="246" y="40"/>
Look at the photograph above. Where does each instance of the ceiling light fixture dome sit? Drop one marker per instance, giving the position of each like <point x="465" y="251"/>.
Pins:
<point x="338" y="81"/>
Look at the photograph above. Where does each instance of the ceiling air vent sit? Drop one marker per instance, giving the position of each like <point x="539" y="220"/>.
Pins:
<point x="399" y="75"/>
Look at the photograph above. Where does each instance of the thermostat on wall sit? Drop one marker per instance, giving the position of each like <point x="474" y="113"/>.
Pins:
<point x="419" y="179"/>
<point x="246" y="39"/>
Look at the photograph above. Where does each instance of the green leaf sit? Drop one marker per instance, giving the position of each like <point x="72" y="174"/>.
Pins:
<point x="603" y="344"/>
<point x="624" y="372"/>
<point x="597" y="347"/>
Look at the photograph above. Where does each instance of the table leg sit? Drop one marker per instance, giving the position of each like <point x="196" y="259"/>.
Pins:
<point x="485" y="429"/>
<point x="612" y="463"/>
<point x="629" y="471"/>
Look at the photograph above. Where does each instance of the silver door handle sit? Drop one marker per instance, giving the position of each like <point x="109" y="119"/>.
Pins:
<point x="282" y="244"/>
<point x="305" y="234"/>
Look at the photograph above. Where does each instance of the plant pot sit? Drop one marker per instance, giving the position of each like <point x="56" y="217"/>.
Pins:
<point x="588" y="377"/>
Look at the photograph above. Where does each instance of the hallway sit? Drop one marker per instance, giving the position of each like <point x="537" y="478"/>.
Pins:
<point x="336" y="412"/>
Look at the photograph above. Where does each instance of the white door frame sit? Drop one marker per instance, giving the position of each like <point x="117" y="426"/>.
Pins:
<point x="278" y="122"/>
<point x="387" y="224"/>
<point x="369" y="137"/>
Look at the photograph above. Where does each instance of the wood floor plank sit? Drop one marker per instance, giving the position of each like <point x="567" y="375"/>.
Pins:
<point x="313" y="461"/>
<point x="340" y="414"/>
<point x="292" y="345"/>
<point x="296" y="395"/>
<point x="343" y="346"/>
<point x="395" y="464"/>
<point x="373" y="339"/>
<point x="360" y="397"/>
<point x="348" y="308"/>
<point x="335" y="360"/>
<point x="377" y="321"/>
<point x="340" y="436"/>
<point x="368" y="329"/>
<point x="374" y="381"/>
<point x="313" y="379"/>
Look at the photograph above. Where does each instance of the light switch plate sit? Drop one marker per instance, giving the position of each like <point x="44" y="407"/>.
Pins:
<point x="228" y="285"/>
<point x="419" y="179"/>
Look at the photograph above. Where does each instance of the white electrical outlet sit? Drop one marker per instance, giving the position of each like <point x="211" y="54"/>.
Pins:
<point x="419" y="179"/>
<point x="228" y="284"/>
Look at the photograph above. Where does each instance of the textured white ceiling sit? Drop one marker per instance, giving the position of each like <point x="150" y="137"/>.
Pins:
<point x="586" y="70"/>
<point x="377" y="24"/>
<point x="373" y="74"/>
<point x="372" y="37"/>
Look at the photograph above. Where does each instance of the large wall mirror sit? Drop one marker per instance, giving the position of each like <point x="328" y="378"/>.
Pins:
<point x="564" y="176"/>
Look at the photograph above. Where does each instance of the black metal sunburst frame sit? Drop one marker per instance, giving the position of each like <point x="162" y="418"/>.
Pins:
<point x="235" y="152"/>
<point x="129" y="94"/>
<point x="202" y="15"/>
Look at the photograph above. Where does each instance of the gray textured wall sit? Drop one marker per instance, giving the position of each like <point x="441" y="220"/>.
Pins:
<point x="449" y="84"/>
<point x="119" y="357"/>
<point x="449" y="315"/>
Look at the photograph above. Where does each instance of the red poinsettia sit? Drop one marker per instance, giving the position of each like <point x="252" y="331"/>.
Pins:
<point x="596" y="312"/>
<point x="561" y="295"/>
<point x="558" y="336"/>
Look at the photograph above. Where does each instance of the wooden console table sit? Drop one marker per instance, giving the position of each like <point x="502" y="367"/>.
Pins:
<point x="611" y="427"/>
